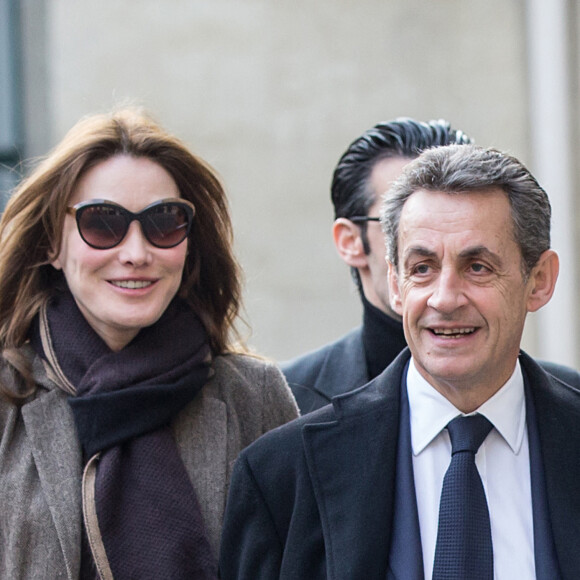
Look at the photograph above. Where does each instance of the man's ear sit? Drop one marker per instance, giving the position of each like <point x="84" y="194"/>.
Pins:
<point x="394" y="291"/>
<point x="543" y="280"/>
<point x="348" y="242"/>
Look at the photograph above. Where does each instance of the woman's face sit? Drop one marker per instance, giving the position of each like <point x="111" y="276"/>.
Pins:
<point x="128" y="287"/>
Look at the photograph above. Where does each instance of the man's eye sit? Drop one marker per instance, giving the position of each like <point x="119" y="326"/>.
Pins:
<point x="479" y="268"/>
<point x="421" y="269"/>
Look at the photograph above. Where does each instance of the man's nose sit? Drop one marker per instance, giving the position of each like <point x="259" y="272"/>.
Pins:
<point x="448" y="291"/>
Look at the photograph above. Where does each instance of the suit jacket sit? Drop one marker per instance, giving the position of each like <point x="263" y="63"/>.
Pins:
<point x="41" y="463"/>
<point x="339" y="367"/>
<point x="314" y="499"/>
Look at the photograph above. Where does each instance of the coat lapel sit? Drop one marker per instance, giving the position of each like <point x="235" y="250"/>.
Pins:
<point x="406" y="553"/>
<point x="352" y="466"/>
<point x="49" y="425"/>
<point x="557" y="408"/>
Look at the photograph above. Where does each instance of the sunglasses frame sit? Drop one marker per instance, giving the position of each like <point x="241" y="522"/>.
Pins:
<point x="363" y="218"/>
<point x="77" y="211"/>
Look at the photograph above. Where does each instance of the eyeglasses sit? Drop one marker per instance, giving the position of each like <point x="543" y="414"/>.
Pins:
<point x="104" y="224"/>
<point x="363" y="218"/>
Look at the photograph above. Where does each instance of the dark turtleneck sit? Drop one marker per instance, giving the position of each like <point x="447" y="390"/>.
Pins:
<point x="383" y="338"/>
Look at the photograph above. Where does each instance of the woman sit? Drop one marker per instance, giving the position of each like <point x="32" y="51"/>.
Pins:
<point x="123" y="404"/>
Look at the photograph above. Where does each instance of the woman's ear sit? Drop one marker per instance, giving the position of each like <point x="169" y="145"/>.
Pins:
<point x="349" y="243"/>
<point x="542" y="280"/>
<point x="53" y="259"/>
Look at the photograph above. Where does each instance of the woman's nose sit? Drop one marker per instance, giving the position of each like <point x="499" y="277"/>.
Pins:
<point x="135" y="248"/>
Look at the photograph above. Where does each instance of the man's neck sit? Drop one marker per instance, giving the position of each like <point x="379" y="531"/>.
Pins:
<point x="466" y="394"/>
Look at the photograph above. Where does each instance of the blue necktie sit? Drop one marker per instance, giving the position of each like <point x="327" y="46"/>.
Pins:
<point x="464" y="550"/>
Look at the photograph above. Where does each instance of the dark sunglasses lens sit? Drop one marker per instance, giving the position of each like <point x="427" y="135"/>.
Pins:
<point x="101" y="226"/>
<point x="166" y="225"/>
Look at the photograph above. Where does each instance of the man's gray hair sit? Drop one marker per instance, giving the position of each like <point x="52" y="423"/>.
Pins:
<point x="457" y="169"/>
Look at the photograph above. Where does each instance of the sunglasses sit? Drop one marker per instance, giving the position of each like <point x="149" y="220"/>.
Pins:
<point x="363" y="218"/>
<point x="104" y="224"/>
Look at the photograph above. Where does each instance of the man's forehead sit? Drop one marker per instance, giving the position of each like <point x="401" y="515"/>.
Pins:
<point x="471" y="221"/>
<point x="491" y="192"/>
<point x="430" y="205"/>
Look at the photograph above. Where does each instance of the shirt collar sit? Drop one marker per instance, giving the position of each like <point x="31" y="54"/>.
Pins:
<point x="431" y="411"/>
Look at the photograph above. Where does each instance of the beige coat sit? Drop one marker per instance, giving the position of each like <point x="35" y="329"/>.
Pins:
<point x="41" y="467"/>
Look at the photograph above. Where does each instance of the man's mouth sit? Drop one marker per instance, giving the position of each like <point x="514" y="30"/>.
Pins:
<point x="453" y="332"/>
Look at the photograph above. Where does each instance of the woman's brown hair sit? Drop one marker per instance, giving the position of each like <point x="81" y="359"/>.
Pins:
<point x="32" y="223"/>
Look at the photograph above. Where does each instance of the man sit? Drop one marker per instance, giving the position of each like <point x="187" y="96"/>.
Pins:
<point x="363" y="174"/>
<point x="357" y="489"/>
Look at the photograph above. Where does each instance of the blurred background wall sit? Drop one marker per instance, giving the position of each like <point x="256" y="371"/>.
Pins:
<point x="271" y="94"/>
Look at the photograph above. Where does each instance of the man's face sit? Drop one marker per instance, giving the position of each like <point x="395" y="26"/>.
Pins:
<point x="460" y="290"/>
<point x="374" y="277"/>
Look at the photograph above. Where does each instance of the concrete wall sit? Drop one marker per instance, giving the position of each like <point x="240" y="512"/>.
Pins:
<point x="271" y="93"/>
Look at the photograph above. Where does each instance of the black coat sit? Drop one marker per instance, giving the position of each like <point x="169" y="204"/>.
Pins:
<point x="313" y="499"/>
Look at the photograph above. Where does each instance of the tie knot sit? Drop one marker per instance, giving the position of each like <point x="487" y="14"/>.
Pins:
<point x="468" y="433"/>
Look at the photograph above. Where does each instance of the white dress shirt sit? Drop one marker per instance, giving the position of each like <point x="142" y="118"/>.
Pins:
<point x="503" y="463"/>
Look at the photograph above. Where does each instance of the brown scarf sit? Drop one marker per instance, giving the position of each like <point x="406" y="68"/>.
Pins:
<point x="148" y="513"/>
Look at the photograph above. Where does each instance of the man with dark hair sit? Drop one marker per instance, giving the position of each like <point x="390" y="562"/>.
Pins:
<point x="458" y="462"/>
<point x="363" y="174"/>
